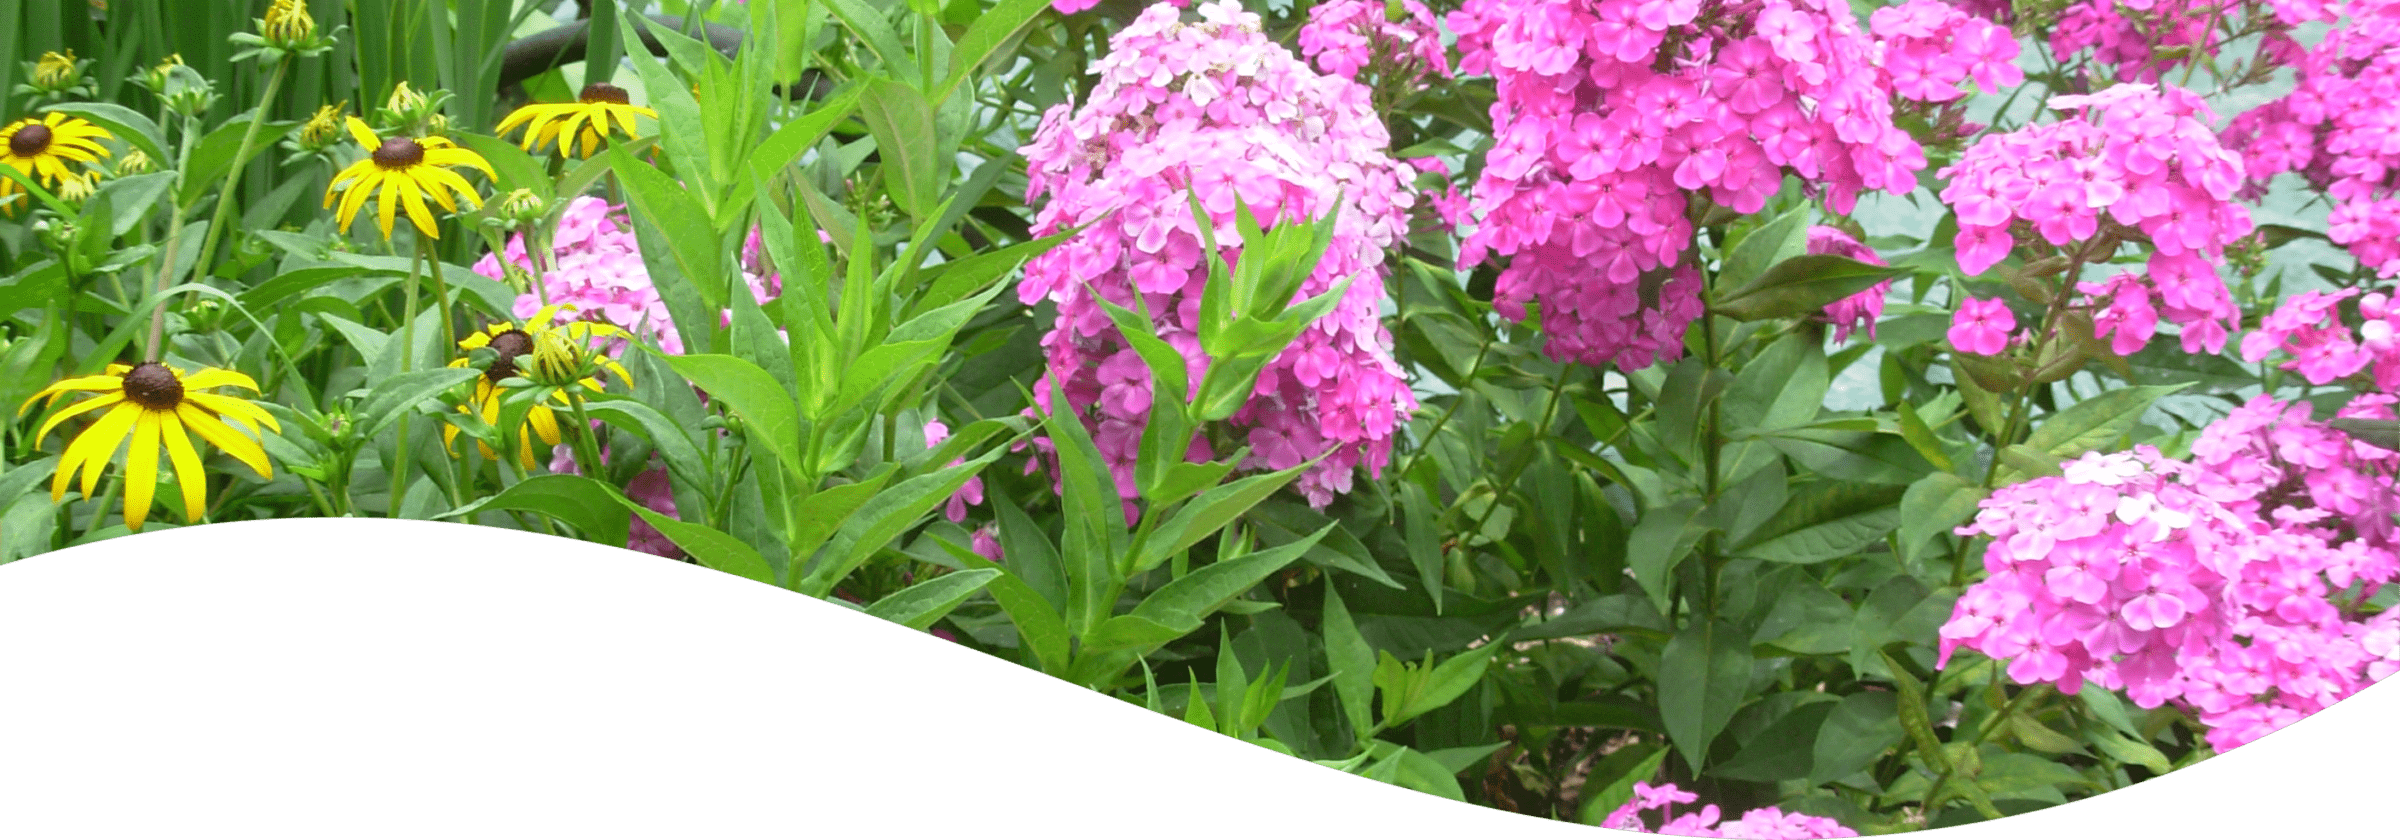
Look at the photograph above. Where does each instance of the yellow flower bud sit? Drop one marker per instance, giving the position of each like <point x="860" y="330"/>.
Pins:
<point x="287" y="24"/>
<point x="55" y="71"/>
<point x="133" y="163"/>
<point x="556" y="360"/>
<point x="324" y="128"/>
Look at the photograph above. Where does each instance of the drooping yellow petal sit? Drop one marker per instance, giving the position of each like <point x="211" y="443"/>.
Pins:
<point x="188" y="473"/>
<point x="104" y="382"/>
<point x="360" y="132"/>
<point x="220" y="378"/>
<point x="141" y="469"/>
<point x="98" y="444"/>
<point x="387" y="205"/>
<point x="224" y="437"/>
<point x="545" y="423"/>
<point x="414" y="201"/>
<point x="356" y="199"/>
<point x="103" y="400"/>
<point x="235" y="407"/>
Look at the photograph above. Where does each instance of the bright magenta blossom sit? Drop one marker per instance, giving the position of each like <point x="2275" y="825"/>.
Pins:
<point x="1981" y="327"/>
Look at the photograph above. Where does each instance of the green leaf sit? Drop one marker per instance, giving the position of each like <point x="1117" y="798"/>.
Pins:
<point x="1703" y="676"/>
<point x="871" y="27"/>
<point x="1039" y="626"/>
<point x="902" y="122"/>
<point x="1203" y="516"/>
<point x="2379" y="433"/>
<point x="884" y="517"/>
<point x="587" y="505"/>
<point x="1824" y="520"/>
<point x="2096" y="423"/>
<point x="1859" y="731"/>
<point x="1784" y="751"/>
<point x="1779" y="239"/>
<point x="691" y="239"/>
<point x="1422" y="530"/>
<point x="921" y="605"/>
<point x="1781" y="388"/>
<point x="1130" y="632"/>
<point x="991" y="29"/>
<point x="395" y="396"/>
<point x="1637" y="763"/>
<point x="713" y="548"/>
<point x="1447" y="681"/>
<point x="1934" y="505"/>
<point x="1187" y="601"/>
<point x="131" y="198"/>
<point x="1800" y="286"/>
<point x="1352" y="661"/>
<point x="1658" y="543"/>
<point x="768" y="411"/>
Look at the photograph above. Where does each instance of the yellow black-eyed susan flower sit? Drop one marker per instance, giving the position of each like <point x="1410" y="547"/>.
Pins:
<point x="557" y="349"/>
<point x="153" y="406"/>
<point x="401" y="172"/>
<point x="586" y="120"/>
<point x="44" y="148"/>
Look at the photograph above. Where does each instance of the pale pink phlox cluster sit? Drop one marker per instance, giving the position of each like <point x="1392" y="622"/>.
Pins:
<point x="600" y="275"/>
<point x="1345" y="36"/>
<point x="2140" y="154"/>
<point x="1928" y="48"/>
<point x="1216" y="108"/>
<point x="1612" y="115"/>
<point x="2309" y="327"/>
<point x="2339" y="127"/>
<point x="1856" y="311"/>
<point x="2219" y="583"/>
<point x="1758" y="824"/>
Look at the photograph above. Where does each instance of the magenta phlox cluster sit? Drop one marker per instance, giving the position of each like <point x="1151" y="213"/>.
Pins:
<point x="1928" y="48"/>
<point x="1614" y="115"/>
<point x="1218" y="109"/>
<point x="1343" y="37"/>
<point x="2136" y="37"/>
<point x="1982" y="327"/>
<point x="2339" y="128"/>
<point x="2309" y="327"/>
<point x="1856" y="311"/>
<point x="2225" y="583"/>
<point x="2141" y="156"/>
<point x="1758" y="824"/>
<point x="600" y="274"/>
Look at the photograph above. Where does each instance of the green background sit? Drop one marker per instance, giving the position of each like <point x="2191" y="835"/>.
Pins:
<point x="342" y="678"/>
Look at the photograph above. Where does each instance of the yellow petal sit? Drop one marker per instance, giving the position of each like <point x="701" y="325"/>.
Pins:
<point x="414" y="202"/>
<point x="108" y="399"/>
<point x="141" y="469"/>
<point x="99" y="443"/>
<point x="219" y="378"/>
<point x="361" y="133"/>
<point x="104" y="382"/>
<point x="545" y="423"/>
<point x="226" y="438"/>
<point x="387" y="205"/>
<point x="188" y="473"/>
<point x="236" y="407"/>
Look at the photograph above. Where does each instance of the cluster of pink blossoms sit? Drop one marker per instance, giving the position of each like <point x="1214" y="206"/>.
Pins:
<point x="1758" y="824"/>
<point x="2339" y="128"/>
<point x="1930" y="47"/>
<point x="1217" y="109"/>
<point x="599" y="273"/>
<point x="2224" y="584"/>
<point x="1345" y="36"/>
<point x="1614" y="115"/>
<point x="2141" y="155"/>
<point x="1859" y="310"/>
<point x="2309" y="327"/>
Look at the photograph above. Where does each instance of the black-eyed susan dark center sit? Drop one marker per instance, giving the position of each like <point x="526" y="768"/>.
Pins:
<point x="601" y="92"/>
<point x="508" y="346"/>
<point x="150" y="385"/>
<point x="399" y="153"/>
<point x="30" y="140"/>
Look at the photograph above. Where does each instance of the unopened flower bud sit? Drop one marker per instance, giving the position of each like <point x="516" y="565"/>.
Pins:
<point x="556" y="360"/>
<point x="324" y="128"/>
<point x="134" y="163"/>
<point x="56" y="71"/>
<point x="287" y="24"/>
<point x="404" y="100"/>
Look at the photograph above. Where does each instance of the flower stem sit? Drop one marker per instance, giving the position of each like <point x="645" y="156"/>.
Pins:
<point x="408" y="362"/>
<point x="587" y="449"/>
<point x="233" y="176"/>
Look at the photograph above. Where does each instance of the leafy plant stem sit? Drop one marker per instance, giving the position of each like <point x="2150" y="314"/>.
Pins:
<point x="408" y="362"/>
<point x="233" y="174"/>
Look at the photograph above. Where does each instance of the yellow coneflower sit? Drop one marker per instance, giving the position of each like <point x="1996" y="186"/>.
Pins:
<point x="540" y="339"/>
<point x="56" y="70"/>
<point x="153" y="405"/>
<point x="287" y="24"/>
<point x="42" y="148"/>
<point x="586" y="120"/>
<point x="403" y="172"/>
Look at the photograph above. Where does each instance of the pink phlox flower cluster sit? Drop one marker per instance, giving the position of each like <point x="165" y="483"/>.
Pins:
<point x="1344" y="37"/>
<point x="987" y="543"/>
<point x="599" y="272"/>
<point x="1859" y="310"/>
<point x="1068" y="7"/>
<point x="2137" y="39"/>
<point x="2219" y="584"/>
<point x="2309" y="327"/>
<point x="970" y="493"/>
<point x="1614" y="115"/>
<point x="1758" y="824"/>
<point x="650" y="489"/>
<point x="2141" y="155"/>
<point x="1220" y="110"/>
<point x="1982" y="327"/>
<point x="1928" y="48"/>
<point x="2339" y="129"/>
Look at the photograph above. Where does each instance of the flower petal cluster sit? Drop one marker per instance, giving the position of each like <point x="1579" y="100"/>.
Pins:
<point x="1929" y="48"/>
<point x="2130" y="163"/>
<point x="2310" y="328"/>
<point x="595" y="268"/>
<point x="1217" y="110"/>
<point x="1758" y="824"/>
<point x="2221" y="584"/>
<point x="2339" y="129"/>
<point x="1616" y="117"/>
<point x="1982" y="327"/>
<point x="970" y="493"/>
<point x="1343" y="37"/>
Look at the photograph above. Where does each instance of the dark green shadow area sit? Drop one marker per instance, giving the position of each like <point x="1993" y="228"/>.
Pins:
<point x="411" y="680"/>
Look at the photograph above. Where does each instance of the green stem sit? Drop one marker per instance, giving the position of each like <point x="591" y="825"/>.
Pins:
<point x="233" y="176"/>
<point x="1932" y="794"/>
<point x="408" y="362"/>
<point x="587" y="450"/>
